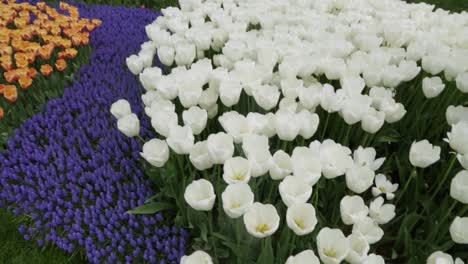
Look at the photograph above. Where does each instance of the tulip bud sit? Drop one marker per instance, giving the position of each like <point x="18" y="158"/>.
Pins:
<point x="432" y="87"/>
<point x="120" y="108"/>
<point x="200" y="195"/>
<point x="156" y="152"/>
<point x="129" y="125"/>
<point x="458" y="230"/>
<point x="459" y="187"/>
<point x="423" y="154"/>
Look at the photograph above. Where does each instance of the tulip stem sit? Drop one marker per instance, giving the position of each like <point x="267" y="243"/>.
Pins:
<point x="413" y="174"/>
<point x="325" y="126"/>
<point x="447" y="172"/>
<point x="364" y="140"/>
<point x="210" y="226"/>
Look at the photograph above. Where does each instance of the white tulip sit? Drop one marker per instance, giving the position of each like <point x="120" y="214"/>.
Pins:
<point x="266" y="96"/>
<point x="167" y="87"/>
<point x="208" y="98"/>
<point x="184" y="53"/>
<point x="374" y="259"/>
<point x="163" y="121"/>
<point x="260" y="161"/>
<point x="381" y="213"/>
<point x="309" y="123"/>
<point x="332" y="245"/>
<point x="463" y="159"/>
<point x="134" y="64"/>
<point x="120" y="108"/>
<point x="237" y="199"/>
<point x="190" y="91"/>
<point x="439" y="257"/>
<point x="166" y="55"/>
<point x="394" y="112"/>
<point x="433" y="64"/>
<point x="457" y="137"/>
<point x="287" y="125"/>
<point x="331" y="101"/>
<point x="423" y="154"/>
<point x="236" y="170"/>
<point x="366" y="157"/>
<point x="335" y="158"/>
<point x="432" y="87"/>
<point x="254" y="142"/>
<point x="281" y="166"/>
<point x="355" y="108"/>
<point x="220" y="147"/>
<point x="290" y="87"/>
<point x="301" y="218"/>
<point x="257" y="123"/>
<point x="195" y="118"/>
<point x="306" y="165"/>
<point x="458" y="230"/>
<point x="359" y="248"/>
<point x="230" y="90"/>
<point x="305" y="257"/>
<point x="235" y="125"/>
<point x="352" y="209"/>
<point x="462" y="82"/>
<point x="459" y="187"/>
<point x="200" y="195"/>
<point x="151" y="96"/>
<point x="294" y="190"/>
<point x="372" y="121"/>
<point x="261" y="220"/>
<point x="129" y="125"/>
<point x="180" y="139"/>
<point x="384" y="186"/>
<point x="159" y="105"/>
<point x="197" y="257"/>
<point x="200" y="157"/>
<point x="455" y="114"/>
<point x="369" y="229"/>
<point x="459" y="261"/>
<point x="311" y="96"/>
<point x="359" y="178"/>
<point x="149" y="78"/>
<point x="288" y="104"/>
<point x="156" y="152"/>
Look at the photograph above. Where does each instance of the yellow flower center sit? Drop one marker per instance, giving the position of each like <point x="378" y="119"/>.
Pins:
<point x="235" y="205"/>
<point x="330" y="253"/>
<point x="382" y="189"/>
<point x="262" y="228"/>
<point x="238" y="177"/>
<point x="300" y="223"/>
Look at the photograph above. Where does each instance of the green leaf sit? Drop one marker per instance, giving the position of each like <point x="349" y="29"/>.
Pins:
<point x="151" y="208"/>
<point x="266" y="256"/>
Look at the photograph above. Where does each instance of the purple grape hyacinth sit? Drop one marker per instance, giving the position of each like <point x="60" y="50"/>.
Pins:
<point x="75" y="174"/>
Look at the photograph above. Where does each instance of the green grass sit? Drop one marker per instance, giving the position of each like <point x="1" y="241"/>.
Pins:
<point x="14" y="249"/>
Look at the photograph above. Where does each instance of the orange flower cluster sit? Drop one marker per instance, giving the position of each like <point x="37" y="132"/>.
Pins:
<point x="30" y="35"/>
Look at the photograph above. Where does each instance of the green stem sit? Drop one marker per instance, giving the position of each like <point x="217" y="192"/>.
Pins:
<point x="413" y="174"/>
<point x="447" y="172"/>
<point x="364" y="139"/>
<point x="325" y="126"/>
<point x="210" y="226"/>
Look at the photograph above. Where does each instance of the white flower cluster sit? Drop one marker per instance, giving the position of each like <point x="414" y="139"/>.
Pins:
<point x="291" y="61"/>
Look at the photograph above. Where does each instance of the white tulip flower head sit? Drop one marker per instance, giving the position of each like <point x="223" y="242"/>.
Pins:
<point x="236" y="170"/>
<point x="305" y="257"/>
<point x="301" y="218"/>
<point x="423" y="154"/>
<point x="200" y="195"/>
<point x="384" y="186"/>
<point x="332" y="245"/>
<point x="237" y="199"/>
<point x="261" y="220"/>
<point x="352" y="209"/>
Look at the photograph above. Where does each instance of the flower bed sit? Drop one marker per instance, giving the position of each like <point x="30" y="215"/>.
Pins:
<point x="74" y="175"/>
<point x="290" y="130"/>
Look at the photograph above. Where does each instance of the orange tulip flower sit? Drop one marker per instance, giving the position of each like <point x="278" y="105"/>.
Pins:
<point x="25" y="82"/>
<point x="46" y="70"/>
<point x="2" y="113"/>
<point x="11" y="93"/>
<point x="61" y="65"/>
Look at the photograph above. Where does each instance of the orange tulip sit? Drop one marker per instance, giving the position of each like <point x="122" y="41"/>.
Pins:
<point x="10" y="76"/>
<point x="46" y="70"/>
<point x="32" y="73"/>
<point x="2" y="88"/>
<point x="5" y="50"/>
<point x="7" y="65"/>
<point x="25" y="82"/>
<point x="61" y="65"/>
<point x="2" y="114"/>
<point x="11" y="93"/>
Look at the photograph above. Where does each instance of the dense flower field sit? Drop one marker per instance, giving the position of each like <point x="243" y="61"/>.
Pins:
<point x="74" y="175"/>
<point x="308" y="131"/>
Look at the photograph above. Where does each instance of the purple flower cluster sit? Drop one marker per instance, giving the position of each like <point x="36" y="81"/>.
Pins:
<point x="72" y="171"/>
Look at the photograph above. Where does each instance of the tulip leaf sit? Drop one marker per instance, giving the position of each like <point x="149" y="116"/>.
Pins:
<point x="151" y="208"/>
<point x="266" y="256"/>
